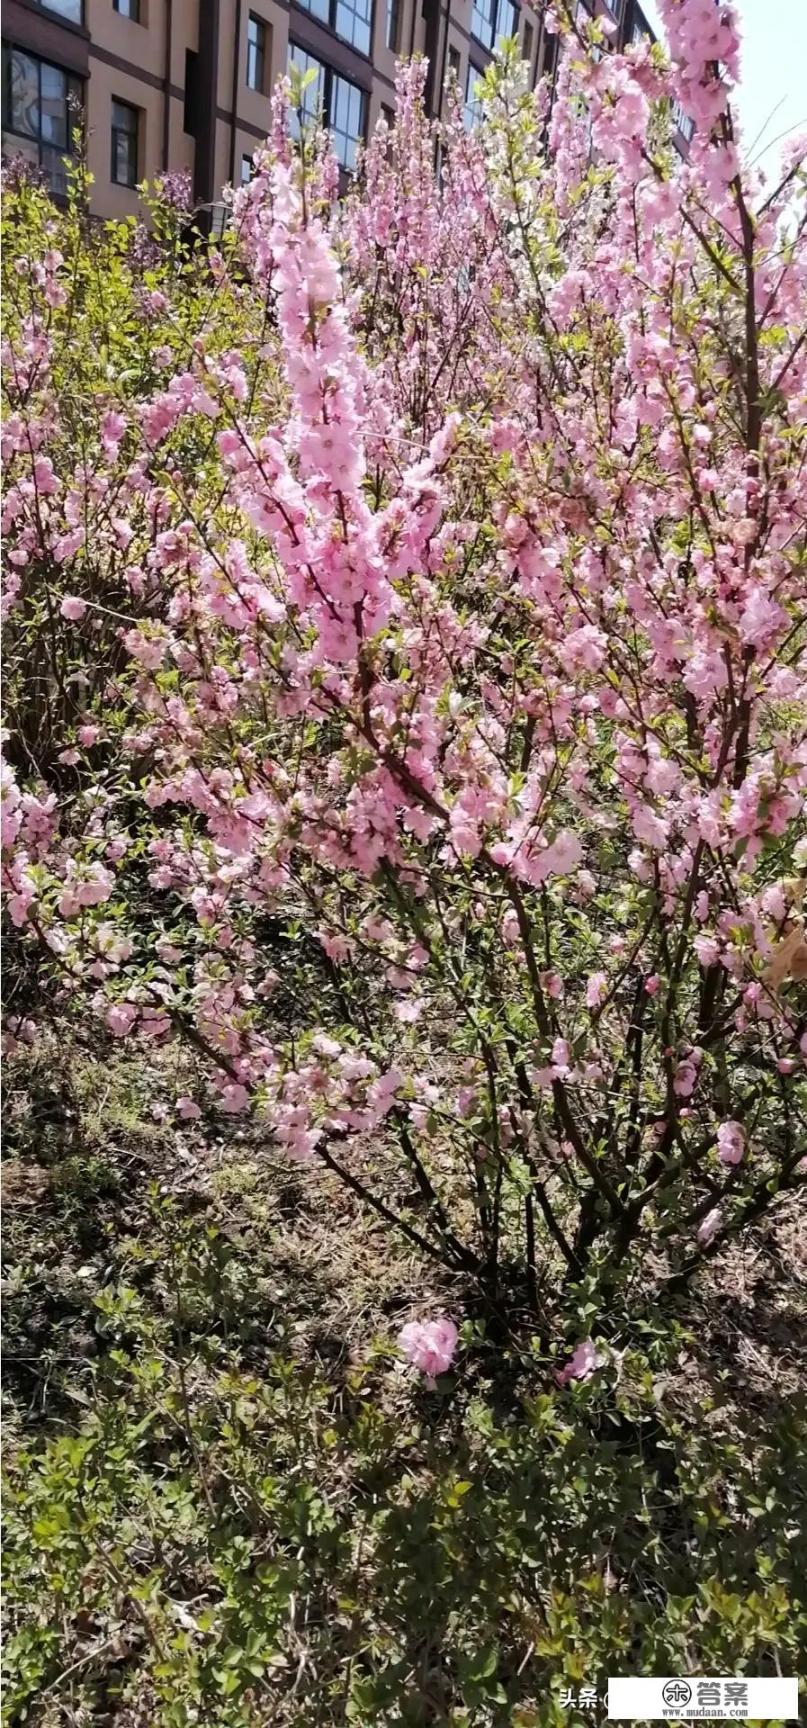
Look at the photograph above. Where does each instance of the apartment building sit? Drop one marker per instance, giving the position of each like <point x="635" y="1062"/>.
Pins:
<point x="185" y="84"/>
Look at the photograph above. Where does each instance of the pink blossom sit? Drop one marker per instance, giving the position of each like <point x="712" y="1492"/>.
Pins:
<point x="596" y="989"/>
<point x="730" y="1142"/>
<point x="552" y="985"/>
<point x="563" y="855"/>
<point x="707" y="950"/>
<point x="113" y="427"/>
<point x="120" y="1018"/>
<point x="582" y="1363"/>
<point x="73" y="607"/>
<point x="761" y="618"/>
<point x="650" y="828"/>
<point x="187" y="1109"/>
<point x="149" y="650"/>
<point x="429" y="1345"/>
<point x="561" y="1057"/>
<point x="709" y="1226"/>
<point x="234" y="1098"/>
<point x="685" y="1080"/>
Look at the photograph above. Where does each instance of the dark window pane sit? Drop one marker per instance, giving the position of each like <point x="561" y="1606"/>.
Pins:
<point x="53" y="105"/>
<point x="120" y="158"/>
<point x="393" y="24"/>
<point x="42" y="110"/>
<point x="550" y="56"/>
<point x="124" y="144"/>
<point x="23" y="93"/>
<point x="54" y="169"/>
<point x="256" y="54"/>
<point x="124" y="118"/>
<point x="190" y="112"/>
<point x="128" y="9"/>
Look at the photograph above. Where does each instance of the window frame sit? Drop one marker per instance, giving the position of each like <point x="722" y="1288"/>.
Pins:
<point x="133" y="14"/>
<point x="73" y="87"/>
<point x="260" y="49"/>
<point x="329" y="13"/>
<point x="114" y="131"/>
<point x="328" y="76"/>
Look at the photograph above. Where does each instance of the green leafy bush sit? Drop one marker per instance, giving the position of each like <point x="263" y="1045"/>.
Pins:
<point x="238" y="1534"/>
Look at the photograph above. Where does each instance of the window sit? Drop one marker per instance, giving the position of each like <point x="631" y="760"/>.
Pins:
<point x="320" y="8"/>
<point x="190" y="109"/>
<point x="550" y="57"/>
<point x="528" y="43"/>
<point x="341" y="105"/>
<point x="506" y="22"/>
<point x="247" y="170"/>
<point x="393" y="25"/>
<point x="70" y="9"/>
<point x="453" y="63"/>
<point x="351" y="19"/>
<point x="128" y="9"/>
<point x="43" y="105"/>
<point x="493" y="21"/>
<point x="472" y="112"/>
<point x="346" y="119"/>
<point x="312" y="101"/>
<point x="682" y="122"/>
<point x="125" y="129"/>
<point x="256" y="54"/>
<point x="483" y="13"/>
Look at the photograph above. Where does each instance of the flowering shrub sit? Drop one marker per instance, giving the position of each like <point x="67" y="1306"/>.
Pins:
<point x="444" y="781"/>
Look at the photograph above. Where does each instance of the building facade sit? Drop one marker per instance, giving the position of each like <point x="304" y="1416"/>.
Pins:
<point x="185" y="84"/>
